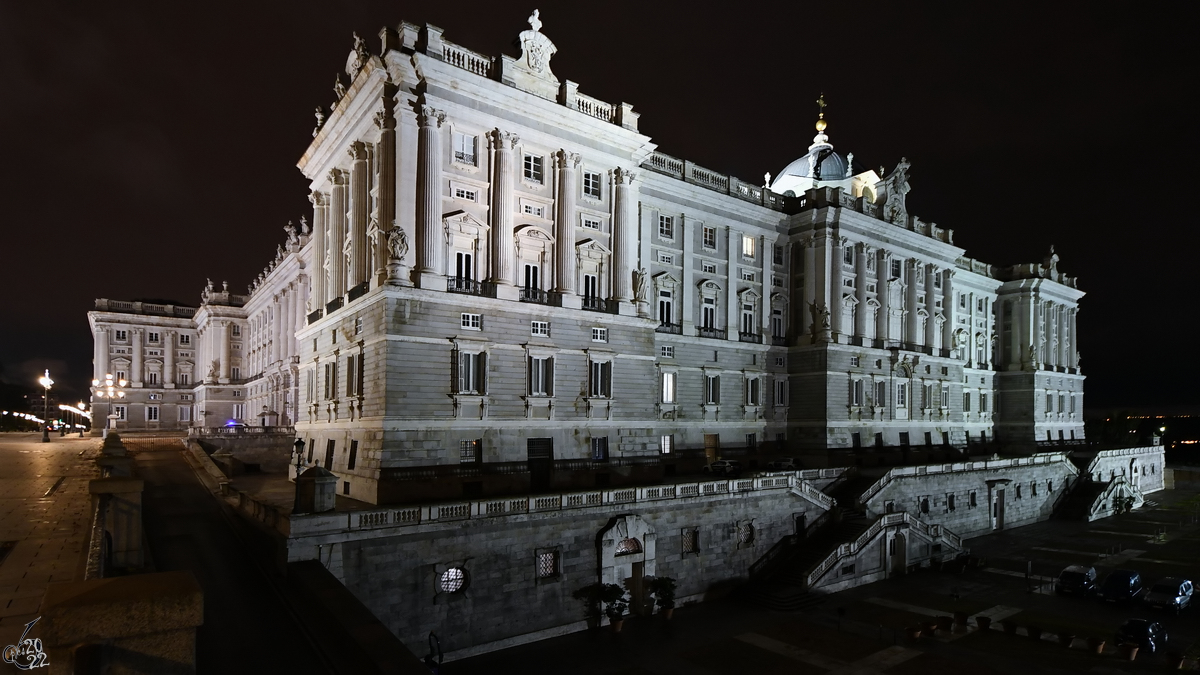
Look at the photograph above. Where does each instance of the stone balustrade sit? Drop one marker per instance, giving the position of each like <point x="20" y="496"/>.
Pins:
<point x="470" y="61"/>
<point x="959" y="467"/>
<point x="902" y="518"/>
<point x="134" y="307"/>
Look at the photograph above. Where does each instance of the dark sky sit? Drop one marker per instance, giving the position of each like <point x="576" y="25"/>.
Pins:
<point x="147" y="146"/>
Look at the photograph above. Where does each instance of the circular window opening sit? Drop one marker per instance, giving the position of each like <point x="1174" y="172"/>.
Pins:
<point x="454" y="580"/>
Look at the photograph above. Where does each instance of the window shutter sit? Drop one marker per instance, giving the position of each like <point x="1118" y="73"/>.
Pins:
<point x="456" y="374"/>
<point x="361" y="375"/>
<point x="717" y="390"/>
<point x="608" y="379"/>
<point x="481" y="379"/>
<point x="530" y="377"/>
<point x="550" y="377"/>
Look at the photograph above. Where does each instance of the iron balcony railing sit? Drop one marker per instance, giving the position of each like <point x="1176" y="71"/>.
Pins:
<point x="534" y="295"/>
<point x="715" y="333"/>
<point x="754" y="338"/>
<point x="468" y="286"/>
<point x="597" y="304"/>
<point x="358" y="291"/>
<point x="779" y="340"/>
<point x="333" y="305"/>
<point x="668" y="327"/>
<point x="315" y="316"/>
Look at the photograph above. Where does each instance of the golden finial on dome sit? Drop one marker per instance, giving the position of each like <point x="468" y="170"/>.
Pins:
<point x="821" y="113"/>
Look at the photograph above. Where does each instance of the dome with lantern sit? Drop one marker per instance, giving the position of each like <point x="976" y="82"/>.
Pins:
<point x="821" y="166"/>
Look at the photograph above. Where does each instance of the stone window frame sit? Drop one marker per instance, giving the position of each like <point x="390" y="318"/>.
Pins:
<point x="533" y="163"/>
<point x="705" y="231"/>
<point x="598" y="182"/>
<point x="666" y="227"/>
<point x="540" y="354"/>
<point x="710" y="290"/>
<point x="665" y="282"/>
<point x="441" y="579"/>
<point x="666" y="351"/>
<point x="457" y="156"/>
<point x="595" y="358"/>
<point x="752" y="383"/>
<point x="694" y="549"/>
<point x="471" y="321"/>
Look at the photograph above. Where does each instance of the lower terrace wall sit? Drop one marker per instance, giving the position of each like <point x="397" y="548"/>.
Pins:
<point x="1144" y="467"/>
<point x="964" y="496"/>
<point x="394" y="559"/>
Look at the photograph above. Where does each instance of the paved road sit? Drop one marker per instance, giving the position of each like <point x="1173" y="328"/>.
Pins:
<point x="45" y="512"/>
<point x="247" y="628"/>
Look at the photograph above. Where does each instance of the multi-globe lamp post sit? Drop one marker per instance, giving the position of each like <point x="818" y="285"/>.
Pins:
<point x="45" y="381"/>
<point x="108" y="389"/>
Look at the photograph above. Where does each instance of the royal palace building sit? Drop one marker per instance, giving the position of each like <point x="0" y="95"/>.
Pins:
<point x="501" y="271"/>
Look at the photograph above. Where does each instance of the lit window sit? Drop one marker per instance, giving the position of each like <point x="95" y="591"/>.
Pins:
<point x="472" y="321"/>
<point x="533" y="168"/>
<point x="591" y="184"/>
<point x="470" y="451"/>
<point x="710" y="237"/>
<point x="599" y="335"/>
<point x="668" y="387"/>
<point x="666" y="444"/>
<point x="747" y="246"/>
<point x="539" y="328"/>
<point x="691" y="540"/>
<point x="453" y="580"/>
<point x="119" y="411"/>
<point x="464" y="148"/>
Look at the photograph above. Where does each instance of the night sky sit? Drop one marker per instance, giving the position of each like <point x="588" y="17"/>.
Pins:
<point x="148" y="146"/>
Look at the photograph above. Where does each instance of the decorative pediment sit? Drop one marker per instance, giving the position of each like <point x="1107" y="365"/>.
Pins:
<point x="849" y="300"/>
<point x="463" y="222"/>
<point x="533" y="232"/>
<point x="873" y="303"/>
<point x="708" y="285"/>
<point x="592" y="246"/>
<point x="665" y="279"/>
<point x="749" y="295"/>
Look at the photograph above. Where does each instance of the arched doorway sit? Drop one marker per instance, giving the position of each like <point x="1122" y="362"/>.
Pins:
<point x="897" y="555"/>
<point x="627" y="558"/>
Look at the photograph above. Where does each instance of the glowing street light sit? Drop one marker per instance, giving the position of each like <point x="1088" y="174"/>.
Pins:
<point x="110" y="389"/>
<point x="45" y="381"/>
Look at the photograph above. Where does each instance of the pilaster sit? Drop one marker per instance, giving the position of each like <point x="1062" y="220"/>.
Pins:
<point x="430" y="266"/>
<point x="359" y="209"/>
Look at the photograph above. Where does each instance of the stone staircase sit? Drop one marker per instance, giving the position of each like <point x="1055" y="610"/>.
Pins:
<point x="1079" y="503"/>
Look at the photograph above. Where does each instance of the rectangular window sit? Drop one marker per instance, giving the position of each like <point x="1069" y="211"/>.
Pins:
<point x="880" y="393"/>
<point x="983" y="403"/>
<point x="358" y="326"/>
<point x="353" y="458"/>
<point x="472" y="321"/>
<point x="856" y="393"/>
<point x="591" y="223"/>
<point x="331" y="377"/>
<point x="354" y="375"/>
<point x="894" y="269"/>
<point x="667" y="351"/>
<point x="780" y="392"/>
<point x="534" y="210"/>
<point x="239" y="409"/>
<point x="330" y="446"/>
<point x="708" y="268"/>
<point x="151" y="378"/>
<point x="470" y="452"/>
<point x="119" y="411"/>
<point x="533" y="168"/>
<point x="600" y="449"/>
<point x="235" y="373"/>
<point x="541" y="376"/>
<point x="937" y="280"/>
<point x="599" y="334"/>
<point x="751" y="441"/>
<point x="780" y="361"/>
<point x="901" y="395"/>
<point x="665" y="258"/>
<point x="753" y="392"/>
<point x="152" y="337"/>
<point x="471" y="372"/>
<point x="712" y="389"/>
<point x="547" y="564"/>
<point x="121" y="335"/>
<point x="151" y="413"/>
<point x="463" y="193"/>
<point x="979" y="304"/>
<point x="237" y="330"/>
<point x="1049" y="403"/>
<point x="237" y="393"/>
<point x="777" y="327"/>
<point x="966" y="401"/>
<point x="708" y="315"/>
<point x="666" y="227"/>
<point x="185" y="340"/>
<point x="668" y="387"/>
<point x="666" y="308"/>
<point x="591" y="184"/>
<point x="854" y="361"/>
<point x="709" y="237"/>
<point x="185" y="413"/>
<point x="777" y="253"/>
<point x="747" y="246"/>
<point x="848" y="255"/>
<point x="600" y="380"/>
<point x="464" y="148"/>
<point x="747" y="275"/>
<point x="666" y="444"/>
<point x="776" y="282"/>
<point x="539" y="328"/>
<point x="690" y="537"/>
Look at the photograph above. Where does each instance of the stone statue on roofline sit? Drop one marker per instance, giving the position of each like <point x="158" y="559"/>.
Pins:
<point x="397" y="242"/>
<point x="640" y="285"/>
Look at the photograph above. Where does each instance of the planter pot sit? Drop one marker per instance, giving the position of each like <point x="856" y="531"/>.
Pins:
<point x="1065" y="639"/>
<point x="1034" y="632"/>
<point x="1129" y="651"/>
<point x="668" y="612"/>
<point x="617" y="625"/>
<point x="930" y="627"/>
<point x="960" y="618"/>
<point x="1010" y="627"/>
<point x="1096" y="645"/>
<point x="945" y="622"/>
<point x="913" y="632"/>
<point x="984" y="622"/>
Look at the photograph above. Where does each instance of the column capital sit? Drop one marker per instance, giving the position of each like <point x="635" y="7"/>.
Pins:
<point x="567" y="159"/>
<point x="624" y="176"/>
<point x="357" y="151"/>
<point x="864" y="248"/>
<point x="337" y="176"/>
<point x="136" y="331"/>
<point x="318" y="198"/>
<point x="428" y="116"/>
<point x="499" y="139"/>
<point x="384" y="119"/>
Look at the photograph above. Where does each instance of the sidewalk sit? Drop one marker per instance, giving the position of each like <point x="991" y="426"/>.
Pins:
<point x="45" y="518"/>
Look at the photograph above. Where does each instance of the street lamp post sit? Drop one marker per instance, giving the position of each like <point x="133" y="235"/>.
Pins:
<point x="81" y="419"/>
<point x="110" y="389"/>
<point x="299" y="445"/>
<point x="45" y="381"/>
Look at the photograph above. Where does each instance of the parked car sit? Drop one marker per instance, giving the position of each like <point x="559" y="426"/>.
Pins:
<point x="724" y="467"/>
<point x="1121" y="586"/>
<point x="1146" y="634"/>
<point x="1172" y="594"/>
<point x="1076" y="579"/>
<point x="784" y="464"/>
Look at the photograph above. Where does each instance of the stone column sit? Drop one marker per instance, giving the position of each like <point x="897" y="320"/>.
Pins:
<point x="931" y="274"/>
<point x="273" y="331"/>
<point x="337" y="234"/>
<point x="912" y="319"/>
<point x="223" y="341"/>
<point x="320" y="202"/>
<point x="360" y="202"/>
<point x="883" y="322"/>
<point x="837" y="250"/>
<point x="564" y="247"/>
<point x="135" y="368"/>
<point x="860" y="290"/>
<point x="298" y="319"/>
<point x="948" y="310"/>
<point x="625" y="236"/>
<point x="169" y="358"/>
<point x="503" y="249"/>
<point x="1073" y="347"/>
<point x="286" y="327"/>
<point x="385" y="216"/>
<point x="431" y="266"/>
<point x="101" y="358"/>
<point x="810" y="283"/>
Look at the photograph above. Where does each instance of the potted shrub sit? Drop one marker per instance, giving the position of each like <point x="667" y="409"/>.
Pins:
<point x="984" y="622"/>
<point x="615" y="605"/>
<point x="590" y="596"/>
<point x="663" y="589"/>
<point x="1096" y="645"/>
